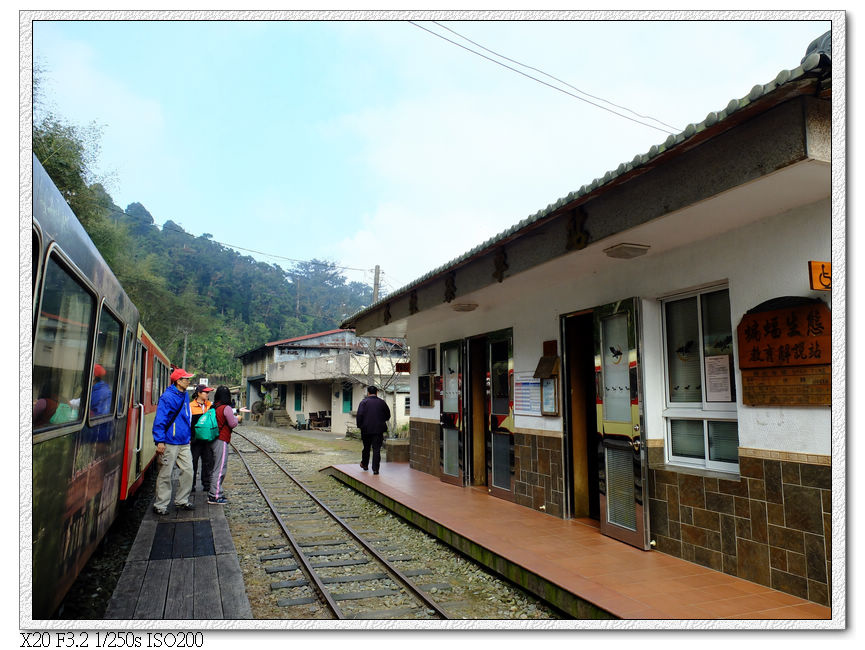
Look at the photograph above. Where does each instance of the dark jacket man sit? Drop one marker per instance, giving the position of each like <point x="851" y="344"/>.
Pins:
<point x="372" y="416"/>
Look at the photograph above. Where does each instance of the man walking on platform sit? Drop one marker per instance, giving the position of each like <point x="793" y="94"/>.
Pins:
<point x="372" y="416"/>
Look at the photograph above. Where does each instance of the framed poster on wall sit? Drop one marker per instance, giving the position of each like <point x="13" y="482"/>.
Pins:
<point x="549" y="396"/>
<point x="425" y="390"/>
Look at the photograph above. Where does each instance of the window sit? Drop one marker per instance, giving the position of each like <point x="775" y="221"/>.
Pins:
<point x="60" y="348"/>
<point x="407" y="405"/>
<point x="701" y="392"/>
<point x="105" y="365"/>
<point x="123" y="386"/>
<point x="298" y="397"/>
<point x="347" y="390"/>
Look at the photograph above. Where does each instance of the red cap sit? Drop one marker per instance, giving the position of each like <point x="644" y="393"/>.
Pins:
<point x="201" y="388"/>
<point x="98" y="371"/>
<point x="179" y="373"/>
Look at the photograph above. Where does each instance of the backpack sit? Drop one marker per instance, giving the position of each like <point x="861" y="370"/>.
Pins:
<point x="206" y="428"/>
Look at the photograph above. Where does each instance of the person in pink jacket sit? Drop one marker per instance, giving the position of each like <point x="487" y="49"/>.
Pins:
<point x="226" y="421"/>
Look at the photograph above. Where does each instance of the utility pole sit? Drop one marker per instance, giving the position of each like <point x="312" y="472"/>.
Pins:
<point x="370" y="370"/>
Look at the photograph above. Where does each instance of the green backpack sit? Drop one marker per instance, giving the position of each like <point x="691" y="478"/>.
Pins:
<point x="206" y="428"/>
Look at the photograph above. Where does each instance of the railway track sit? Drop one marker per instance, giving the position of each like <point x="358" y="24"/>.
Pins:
<point x="322" y="566"/>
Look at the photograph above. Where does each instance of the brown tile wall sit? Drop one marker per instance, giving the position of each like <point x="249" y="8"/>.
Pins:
<point x="424" y="447"/>
<point x="539" y="473"/>
<point x="771" y="526"/>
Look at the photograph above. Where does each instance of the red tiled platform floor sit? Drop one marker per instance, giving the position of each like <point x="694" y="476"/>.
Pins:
<point x="573" y="554"/>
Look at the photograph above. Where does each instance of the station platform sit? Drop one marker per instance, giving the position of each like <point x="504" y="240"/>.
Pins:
<point x="569" y="562"/>
<point x="182" y="566"/>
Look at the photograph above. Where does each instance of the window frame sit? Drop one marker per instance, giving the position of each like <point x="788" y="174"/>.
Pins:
<point x="118" y="364"/>
<point x="703" y="411"/>
<point x="64" y="263"/>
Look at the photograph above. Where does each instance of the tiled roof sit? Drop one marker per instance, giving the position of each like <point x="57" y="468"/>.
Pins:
<point x="816" y="62"/>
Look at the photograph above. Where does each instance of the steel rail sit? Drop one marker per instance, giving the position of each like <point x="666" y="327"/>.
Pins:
<point x="396" y="574"/>
<point x="301" y="558"/>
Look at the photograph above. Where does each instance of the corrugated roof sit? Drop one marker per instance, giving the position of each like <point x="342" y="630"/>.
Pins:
<point x="817" y="58"/>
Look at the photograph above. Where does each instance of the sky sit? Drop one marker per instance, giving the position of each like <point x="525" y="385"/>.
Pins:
<point x="370" y="142"/>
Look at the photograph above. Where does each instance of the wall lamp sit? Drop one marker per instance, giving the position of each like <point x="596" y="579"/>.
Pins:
<point x="626" y="251"/>
<point x="464" y="306"/>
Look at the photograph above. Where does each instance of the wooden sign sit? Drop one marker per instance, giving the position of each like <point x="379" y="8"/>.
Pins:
<point x="821" y="275"/>
<point x="795" y="386"/>
<point x="796" y="336"/>
<point x="785" y="356"/>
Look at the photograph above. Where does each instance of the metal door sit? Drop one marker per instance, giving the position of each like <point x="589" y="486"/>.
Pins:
<point x="451" y="436"/>
<point x="622" y="467"/>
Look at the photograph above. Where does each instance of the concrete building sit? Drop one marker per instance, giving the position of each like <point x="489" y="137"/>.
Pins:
<point x="319" y="379"/>
<point x="652" y="351"/>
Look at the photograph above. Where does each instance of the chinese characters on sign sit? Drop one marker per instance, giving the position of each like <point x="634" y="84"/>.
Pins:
<point x="795" y="344"/>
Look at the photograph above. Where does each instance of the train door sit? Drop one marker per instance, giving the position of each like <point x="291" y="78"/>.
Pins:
<point x="580" y="415"/>
<point x="451" y="432"/>
<point x="621" y="454"/>
<point x="500" y="437"/>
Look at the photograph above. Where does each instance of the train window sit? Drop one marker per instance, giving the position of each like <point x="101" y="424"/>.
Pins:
<point x="60" y="348"/>
<point x="37" y="258"/>
<point x="142" y="374"/>
<point x="123" y="386"/>
<point x="155" y="390"/>
<point x="105" y="365"/>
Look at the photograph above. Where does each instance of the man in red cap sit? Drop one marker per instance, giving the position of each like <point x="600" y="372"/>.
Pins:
<point x="172" y="431"/>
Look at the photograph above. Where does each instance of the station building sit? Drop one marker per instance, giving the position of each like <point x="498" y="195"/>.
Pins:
<point x="653" y="351"/>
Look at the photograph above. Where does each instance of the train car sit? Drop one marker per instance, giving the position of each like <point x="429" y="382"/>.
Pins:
<point x="90" y="442"/>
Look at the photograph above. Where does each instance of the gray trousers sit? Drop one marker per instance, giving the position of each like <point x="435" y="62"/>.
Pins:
<point x="173" y="454"/>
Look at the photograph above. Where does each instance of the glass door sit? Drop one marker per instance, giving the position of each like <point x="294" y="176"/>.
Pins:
<point x="500" y="480"/>
<point x="451" y="433"/>
<point x="622" y="467"/>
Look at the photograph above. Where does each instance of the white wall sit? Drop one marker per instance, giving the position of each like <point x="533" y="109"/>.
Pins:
<point x="761" y="261"/>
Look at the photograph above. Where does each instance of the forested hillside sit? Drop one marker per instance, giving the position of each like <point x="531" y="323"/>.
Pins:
<point x="193" y="292"/>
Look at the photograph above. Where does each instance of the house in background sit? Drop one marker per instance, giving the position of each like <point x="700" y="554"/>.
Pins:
<point x="652" y="352"/>
<point x="321" y="378"/>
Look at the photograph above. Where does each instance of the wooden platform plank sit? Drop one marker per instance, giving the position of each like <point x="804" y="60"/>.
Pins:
<point x="125" y="596"/>
<point x="222" y="542"/>
<point x="151" y="598"/>
<point x="179" y="597"/>
<point x="207" y="603"/>
<point x="202" y="539"/>
<point x="235" y="603"/>
<point x="183" y="540"/>
<point x="143" y="541"/>
<point x="163" y="542"/>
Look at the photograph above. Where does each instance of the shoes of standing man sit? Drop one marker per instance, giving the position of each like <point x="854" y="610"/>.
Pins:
<point x="363" y="467"/>
<point x="185" y="506"/>
<point x="217" y="502"/>
<point x="158" y="511"/>
<point x="375" y="473"/>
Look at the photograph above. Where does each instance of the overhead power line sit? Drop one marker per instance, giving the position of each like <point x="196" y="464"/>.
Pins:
<point x="541" y="81"/>
<point x="248" y="250"/>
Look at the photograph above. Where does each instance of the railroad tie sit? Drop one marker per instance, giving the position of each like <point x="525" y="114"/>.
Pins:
<point x="356" y="578"/>
<point x="277" y="556"/>
<point x="281" y="568"/>
<point x="360" y="595"/>
<point x="287" y="584"/>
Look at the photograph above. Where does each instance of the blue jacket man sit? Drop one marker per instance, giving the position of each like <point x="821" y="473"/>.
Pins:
<point x="372" y="416"/>
<point x="172" y="431"/>
<point x="173" y="422"/>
